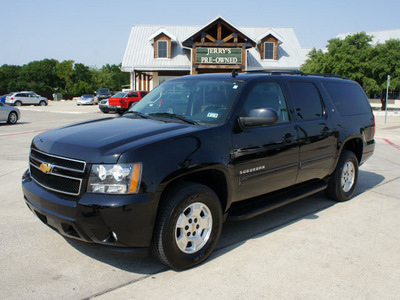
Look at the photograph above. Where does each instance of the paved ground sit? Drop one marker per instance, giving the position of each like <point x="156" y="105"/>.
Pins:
<point x="311" y="249"/>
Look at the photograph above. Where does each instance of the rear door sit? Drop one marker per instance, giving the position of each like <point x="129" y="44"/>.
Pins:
<point x="317" y="140"/>
<point x="265" y="158"/>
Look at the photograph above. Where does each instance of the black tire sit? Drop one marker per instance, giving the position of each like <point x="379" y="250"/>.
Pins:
<point x="42" y="103"/>
<point x="343" y="182"/>
<point x="17" y="103"/>
<point x="12" y="118"/>
<point x="199" y="212"/>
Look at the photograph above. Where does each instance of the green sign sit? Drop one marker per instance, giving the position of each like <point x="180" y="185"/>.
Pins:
<point x="219" y="56"/>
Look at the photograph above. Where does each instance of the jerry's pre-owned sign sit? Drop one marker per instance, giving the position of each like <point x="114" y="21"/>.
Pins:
<point x="219" y="56"/>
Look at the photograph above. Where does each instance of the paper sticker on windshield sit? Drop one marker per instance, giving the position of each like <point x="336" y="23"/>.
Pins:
<point x="212" y="115"/>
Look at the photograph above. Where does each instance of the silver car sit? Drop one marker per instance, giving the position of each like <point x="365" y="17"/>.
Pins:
<point x="9" y="114"/>
<point x="26" y="98"/>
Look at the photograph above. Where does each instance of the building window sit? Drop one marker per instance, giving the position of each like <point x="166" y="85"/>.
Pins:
<point x="162" y="47"/>
<point x="269" y="50"/>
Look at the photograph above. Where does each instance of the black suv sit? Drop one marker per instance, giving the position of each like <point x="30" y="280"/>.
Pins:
<point x="195" y="151"/>
<point x="102" y="94"/>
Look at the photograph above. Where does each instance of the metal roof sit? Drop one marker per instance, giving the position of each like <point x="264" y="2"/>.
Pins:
<point x="139" y="52"/>
<point x="379" y="37"/>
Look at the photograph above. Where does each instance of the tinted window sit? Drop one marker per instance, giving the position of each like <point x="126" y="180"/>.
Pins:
<point x="142" y="94"/>
<point x="267" y="95"/>
<point x="349" y="99"/>
<point x="307" y="101"/>
<point x="133" y="95"/>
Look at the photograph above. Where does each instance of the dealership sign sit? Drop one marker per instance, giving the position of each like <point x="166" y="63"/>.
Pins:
<point x="219" y="56"/>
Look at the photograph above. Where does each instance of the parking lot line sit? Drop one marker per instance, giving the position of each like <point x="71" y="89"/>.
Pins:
<point x="23" y="132"/>
<point x="392" y="144"/>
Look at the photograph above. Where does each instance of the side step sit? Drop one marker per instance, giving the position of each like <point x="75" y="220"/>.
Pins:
<point x="250" y="208"/>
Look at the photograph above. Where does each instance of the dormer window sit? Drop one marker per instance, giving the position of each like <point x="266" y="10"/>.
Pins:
<point x="162" y="49"/>
<point x="269" y="50"/>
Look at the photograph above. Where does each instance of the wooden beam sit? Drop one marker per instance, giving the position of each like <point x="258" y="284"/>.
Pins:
<point x="228" y="37"/>
<point x="219" y="31"/>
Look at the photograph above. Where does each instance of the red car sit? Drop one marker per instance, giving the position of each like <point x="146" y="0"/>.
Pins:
<point x="122" y="101"/>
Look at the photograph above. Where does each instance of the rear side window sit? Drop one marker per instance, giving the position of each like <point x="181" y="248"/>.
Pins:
<point x="133" y="95"/>
<point x="307" y="101"/>
<point x="349" y="99"/>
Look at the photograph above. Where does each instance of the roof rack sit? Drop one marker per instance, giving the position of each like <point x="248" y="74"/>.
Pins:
<point x="276" y="71"/>
<point x="294" y="72"/>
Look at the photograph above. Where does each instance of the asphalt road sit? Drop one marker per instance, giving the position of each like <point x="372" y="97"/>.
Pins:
<point x="311" y="249"/>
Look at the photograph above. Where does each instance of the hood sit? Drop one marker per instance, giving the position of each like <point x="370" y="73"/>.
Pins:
<point x="104" y="140"/>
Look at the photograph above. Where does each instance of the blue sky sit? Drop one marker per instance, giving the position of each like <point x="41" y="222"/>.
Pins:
<point x="96" y="32"/>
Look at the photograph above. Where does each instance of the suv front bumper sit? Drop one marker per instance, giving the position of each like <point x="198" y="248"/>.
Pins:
<point x="122" y="222"/>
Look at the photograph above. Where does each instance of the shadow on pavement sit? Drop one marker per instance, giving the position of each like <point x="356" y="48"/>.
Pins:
<point x="234" y="234"/>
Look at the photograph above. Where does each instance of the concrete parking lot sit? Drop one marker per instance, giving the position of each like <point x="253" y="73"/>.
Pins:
<point x="311" y="249"/>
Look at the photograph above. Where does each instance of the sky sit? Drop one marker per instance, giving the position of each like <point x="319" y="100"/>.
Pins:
<point x="95" y="33"/>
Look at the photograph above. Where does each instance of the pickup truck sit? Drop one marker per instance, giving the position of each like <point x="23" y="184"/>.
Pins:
<point x="122" y="101"/>
<point x="198" y="150"/>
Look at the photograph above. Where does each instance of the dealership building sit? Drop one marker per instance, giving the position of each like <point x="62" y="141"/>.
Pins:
<point x="155" y="54"/>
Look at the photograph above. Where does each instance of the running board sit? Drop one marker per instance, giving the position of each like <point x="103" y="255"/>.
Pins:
<point x="250" y="208"/>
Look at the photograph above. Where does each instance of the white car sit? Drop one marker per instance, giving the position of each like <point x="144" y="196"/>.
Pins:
<point x="87" y="99"/>
<point x="9" y="114"/>
<point x="26" y="98"/>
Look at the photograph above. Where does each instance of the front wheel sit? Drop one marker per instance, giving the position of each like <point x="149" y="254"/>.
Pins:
<point x="189" y="226"/>
<point x="42" y="103"/>
<point x="342" y="185"/>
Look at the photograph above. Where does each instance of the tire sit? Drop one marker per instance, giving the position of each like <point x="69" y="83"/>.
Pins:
<point x="42" y="103"/>
<point x="343" y="182"/>
<point x="18" y="103"/>
<point x="12" y="118"/>
<point x="188" y="226"/>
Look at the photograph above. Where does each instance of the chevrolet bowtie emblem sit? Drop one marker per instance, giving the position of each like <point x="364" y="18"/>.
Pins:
<point x="46" y="168"/>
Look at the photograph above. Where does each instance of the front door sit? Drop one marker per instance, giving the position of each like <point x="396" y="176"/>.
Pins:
<point x="265" y="159"/>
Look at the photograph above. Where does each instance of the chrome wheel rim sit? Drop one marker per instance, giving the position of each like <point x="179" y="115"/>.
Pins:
<point x="193" y="228"/>
<point x="12" y="118"/>
<point x="348" y="176"/>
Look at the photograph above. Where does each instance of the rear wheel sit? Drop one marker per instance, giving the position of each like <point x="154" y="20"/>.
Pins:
<point x="343" y="183"/>
<point x="188" y="227"/>
<point x="12" y="118"/>
<point x="17" y="103"/>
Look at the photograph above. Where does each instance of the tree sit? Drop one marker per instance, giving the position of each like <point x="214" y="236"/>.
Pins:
<point x="356" y="58"/>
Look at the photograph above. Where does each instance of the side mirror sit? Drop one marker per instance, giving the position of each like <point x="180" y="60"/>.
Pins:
<point x="260" y="117"/>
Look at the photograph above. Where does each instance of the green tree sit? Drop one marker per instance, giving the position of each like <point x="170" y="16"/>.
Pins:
<point x="356" y="58"/>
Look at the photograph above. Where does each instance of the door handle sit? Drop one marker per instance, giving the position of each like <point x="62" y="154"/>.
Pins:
<point x="326" y="131"/>
<point x="289" y="139"/>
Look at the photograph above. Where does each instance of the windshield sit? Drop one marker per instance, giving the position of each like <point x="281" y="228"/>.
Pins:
<point x="103" y="91"/>
<point x="88" y="96"/>
<point x="197" y="100"/>
<point x="119" y="95"/>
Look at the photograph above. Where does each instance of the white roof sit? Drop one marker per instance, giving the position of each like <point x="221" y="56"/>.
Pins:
<point x="378" y="36"/>
<point x="139" y="52"/>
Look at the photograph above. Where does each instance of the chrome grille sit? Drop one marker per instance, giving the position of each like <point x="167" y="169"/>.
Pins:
<point x="56" y="173"/>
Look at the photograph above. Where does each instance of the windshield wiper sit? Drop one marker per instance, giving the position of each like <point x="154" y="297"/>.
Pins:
<point x="136" y="113"/>
<point x="174" y="116"/>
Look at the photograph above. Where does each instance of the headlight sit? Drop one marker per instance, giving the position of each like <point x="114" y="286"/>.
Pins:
<point x="115" y="179"/>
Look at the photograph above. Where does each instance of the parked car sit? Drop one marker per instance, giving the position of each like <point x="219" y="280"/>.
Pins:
<point x="3" y="98"/>
<point x="9" y="114"/>
<point x="87" y="99"/>
<point x="26" y="98"/>
<point x="122" y="101"/>
<point x="103" y="94"/>
<point x="105" y="107"/>
<point x="198" y="150"/>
